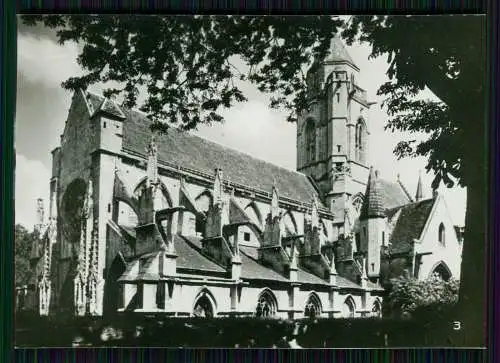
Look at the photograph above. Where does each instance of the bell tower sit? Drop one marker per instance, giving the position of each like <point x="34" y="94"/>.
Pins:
<point x="332" y="136"/>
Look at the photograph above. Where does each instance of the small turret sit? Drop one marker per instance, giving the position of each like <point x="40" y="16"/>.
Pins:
<point x="419" y="194"/>
<point x="372" y="224"/>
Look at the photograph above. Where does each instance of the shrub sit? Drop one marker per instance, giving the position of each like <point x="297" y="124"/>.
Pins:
<point x="409" y="295"/>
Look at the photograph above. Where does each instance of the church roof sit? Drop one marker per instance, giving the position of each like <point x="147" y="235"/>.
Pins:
<point x="410" y="223"/>
<point x="193" y="152"/>
<point x="394" y="194"/>
<point x="190" y="257"/>
<point x="339" y="53"/>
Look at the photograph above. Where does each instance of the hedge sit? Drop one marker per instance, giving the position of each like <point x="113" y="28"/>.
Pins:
<point x="160" y="331"/>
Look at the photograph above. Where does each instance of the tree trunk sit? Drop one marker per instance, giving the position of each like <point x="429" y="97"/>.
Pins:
<point x="471" y="308"/>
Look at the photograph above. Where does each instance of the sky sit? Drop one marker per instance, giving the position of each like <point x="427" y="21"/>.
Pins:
<point x="251" y="127"/>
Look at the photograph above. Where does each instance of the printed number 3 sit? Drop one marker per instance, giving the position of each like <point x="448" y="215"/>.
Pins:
<point x="457" y="325"/>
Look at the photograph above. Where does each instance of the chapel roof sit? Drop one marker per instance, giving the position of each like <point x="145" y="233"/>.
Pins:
<point x="193" y="152"/>
<point x="409" y="225"/>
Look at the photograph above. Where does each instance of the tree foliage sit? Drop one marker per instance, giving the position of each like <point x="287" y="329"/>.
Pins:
<point x="408" y="294"/>
<point x="23" y="244"/>
<point x="192" y="67"/>
<point x="447" y="55"/>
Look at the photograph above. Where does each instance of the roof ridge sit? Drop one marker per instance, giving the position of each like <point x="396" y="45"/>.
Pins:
<point x="189" y="133"/>
<point x="404" y="189"/>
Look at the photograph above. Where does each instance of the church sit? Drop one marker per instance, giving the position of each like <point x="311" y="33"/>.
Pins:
<point x="177" y="225"/>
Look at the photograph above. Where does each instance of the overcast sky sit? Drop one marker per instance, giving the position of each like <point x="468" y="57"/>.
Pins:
<point x="251" y="127"/>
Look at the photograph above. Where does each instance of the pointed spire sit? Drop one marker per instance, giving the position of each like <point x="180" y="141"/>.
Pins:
<point x="419" y="195"/>
<point x="275" y="208"/>
<point x="373" y="205"/>
<point x="218" y="186"/>
<point x="152" y="163"/>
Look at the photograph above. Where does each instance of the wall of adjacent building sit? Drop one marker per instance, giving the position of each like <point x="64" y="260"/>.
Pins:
<point x="450" y="253"/>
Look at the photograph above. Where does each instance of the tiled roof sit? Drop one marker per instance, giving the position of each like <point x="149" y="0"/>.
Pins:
<point x="409" y="225"/>
<point x="108" y="107"/>
<point x="189" y="254"/>
<point x="373" y="205"/>
<point x="393" y="194"/>
<point x="338" y="52"/>
<point x="193" y="152"/>
<point x="309" y="278"/>
<point x="251" y="269"/>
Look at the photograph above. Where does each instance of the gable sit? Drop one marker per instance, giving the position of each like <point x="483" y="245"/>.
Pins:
<point x="410" y="224"/>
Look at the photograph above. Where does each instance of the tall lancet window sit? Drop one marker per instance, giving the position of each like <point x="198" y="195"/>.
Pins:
<point x="441" y="234"/>
<point x="310" y="141"/>
<point x="360" y="141"/>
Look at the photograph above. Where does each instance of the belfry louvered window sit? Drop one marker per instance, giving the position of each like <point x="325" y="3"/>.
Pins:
<point x="310" y="141"/>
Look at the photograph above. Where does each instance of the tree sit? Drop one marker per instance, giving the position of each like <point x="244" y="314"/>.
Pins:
<point x="190" y="68"/>
<point x="448" y="56"/>
<point x="23" y="245"/>
<point x="408" y="295"/>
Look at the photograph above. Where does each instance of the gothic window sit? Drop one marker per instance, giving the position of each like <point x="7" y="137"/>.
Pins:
<point x="322" y="142"/>
<point x="310" y="141"/>
<point x="441" y="234"/>
<point x="203" y="307"/>
<point x="313" y="307"/>
<point x="360" y="141"/>
<point x="442" y="271"/>
<point x="266" y="305"/>
<point x="160" y="295"/>
<point x="348" y="308"/>
<point x="357" y="202"/>
<point x="376" y="310"/>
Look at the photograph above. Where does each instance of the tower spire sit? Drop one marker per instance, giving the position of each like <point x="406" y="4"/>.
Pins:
<point x="419" y="194"/>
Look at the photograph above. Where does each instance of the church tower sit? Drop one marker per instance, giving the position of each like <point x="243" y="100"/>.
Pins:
<point x="332" y="136"/>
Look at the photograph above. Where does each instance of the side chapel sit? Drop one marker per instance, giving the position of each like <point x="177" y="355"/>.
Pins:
<point x="181" y="226"/>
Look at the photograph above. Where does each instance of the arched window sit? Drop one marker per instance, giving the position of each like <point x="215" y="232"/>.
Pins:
<point x="376" y="309"/>
<point x="442" y="271"/>
<point x="348" y="308"/>
<point x="442" y="236"/>
<point x="310" y="141"/>
<point x="360" y="141"/>
<point x="313" y="307"/>
<point x="203" y="307"/>
<point x="357" y="202"/>
<point x="266" y="305"/>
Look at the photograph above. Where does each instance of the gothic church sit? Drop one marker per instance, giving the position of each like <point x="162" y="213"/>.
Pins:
<point x="181" y="226"/>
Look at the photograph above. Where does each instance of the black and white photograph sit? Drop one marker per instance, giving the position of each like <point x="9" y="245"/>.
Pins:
<point x="250" y="181"/>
